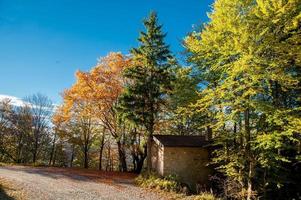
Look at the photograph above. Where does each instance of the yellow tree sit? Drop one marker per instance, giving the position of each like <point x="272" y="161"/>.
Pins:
<point x="249" y="58"/>
<point x="75" y="122"/>
<point x="96" y="93"/>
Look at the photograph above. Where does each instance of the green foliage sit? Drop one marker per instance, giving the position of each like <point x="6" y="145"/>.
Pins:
<point x="148" y="78"/>
<point x="184" y="93"/>
<point x="170" y="184"/>
<point x="249" y="59"/>
<point x="243" y="88"/>
<point x="24" y="131"/>
<point x="205" y="196"/>
<point x="185" y="87"/>
<point x="153" y="181"/>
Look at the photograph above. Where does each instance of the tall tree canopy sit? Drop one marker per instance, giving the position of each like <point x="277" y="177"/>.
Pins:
<point x="149" y="77"/>
<point x="249" y="55"/>
<point x="96" y="93"/>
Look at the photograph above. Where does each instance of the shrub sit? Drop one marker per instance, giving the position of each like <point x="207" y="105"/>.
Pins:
<point x="205" y="196"/>
<point x="3" y="164"/>
<point x="39" y="164"/>
<point x="170" y="184"/>
<point x="152" y="180"/>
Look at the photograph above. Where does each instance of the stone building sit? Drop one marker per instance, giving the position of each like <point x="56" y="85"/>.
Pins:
<point x="183" y="156"/>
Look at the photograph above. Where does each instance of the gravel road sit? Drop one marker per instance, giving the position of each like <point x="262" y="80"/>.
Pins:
<point x="74" y="184"/>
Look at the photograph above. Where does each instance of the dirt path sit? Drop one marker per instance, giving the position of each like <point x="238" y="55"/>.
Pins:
<point x="74" y="184"/>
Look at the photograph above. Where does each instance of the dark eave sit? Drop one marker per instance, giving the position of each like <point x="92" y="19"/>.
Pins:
<point x="181" y="141"/>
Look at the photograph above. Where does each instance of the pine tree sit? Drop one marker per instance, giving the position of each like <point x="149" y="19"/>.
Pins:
<point x="149" y="78"/>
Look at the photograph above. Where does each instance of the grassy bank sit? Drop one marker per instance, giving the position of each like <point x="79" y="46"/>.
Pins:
<point x="170" y="187"/>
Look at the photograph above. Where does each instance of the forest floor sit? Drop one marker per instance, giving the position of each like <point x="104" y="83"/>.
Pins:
<point x="47" y="183"/>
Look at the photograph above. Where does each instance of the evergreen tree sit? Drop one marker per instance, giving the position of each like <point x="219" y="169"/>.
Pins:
<point x="149" y="78"/>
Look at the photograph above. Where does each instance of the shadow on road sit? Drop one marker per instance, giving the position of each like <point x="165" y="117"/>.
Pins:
<point x="4" y="195"/>
<point x="78" y="174"/>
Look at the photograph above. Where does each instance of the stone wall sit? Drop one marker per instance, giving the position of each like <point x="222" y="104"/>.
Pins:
<point x="157" y="158"/>
<point x="189" y="164"/>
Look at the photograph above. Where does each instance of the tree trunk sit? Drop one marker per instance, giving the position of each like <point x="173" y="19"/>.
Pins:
<point x="209" y="133"/>
<point x="72" y="156"/>
<point x="86" y="160"/>
<point x="235" y="134"/>
<point x="248" y="153"/>
<point x="102" y="142"/>
<point x="140" y="160"/>
<point x="34" y="158"/>
<point x="52" y="149"/>
<point x="139" y="165"/>
<point x="241" y="139"/>
<point x="249" y="182"/>
<point x="108" y="165"/>
<point x="54" y="157"/>
<point x="122" y="157"/>
<point x="36" y="144"/>
<point x="148" y="154"/>
<point x="149" y="148"/>
<point x="19" y="148"/>
<point x="264" y="184"/>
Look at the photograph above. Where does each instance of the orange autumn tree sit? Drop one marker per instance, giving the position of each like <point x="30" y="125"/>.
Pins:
<point x="96" y="92"/>
<point x="75" y="123"/>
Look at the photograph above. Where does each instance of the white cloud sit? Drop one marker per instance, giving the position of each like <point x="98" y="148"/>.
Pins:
<point x="15" y="101"/>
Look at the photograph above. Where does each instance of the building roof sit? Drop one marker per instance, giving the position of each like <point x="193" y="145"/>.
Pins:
<point x="181" y="141"/>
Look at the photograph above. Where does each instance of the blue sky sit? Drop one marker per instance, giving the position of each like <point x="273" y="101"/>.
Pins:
<point x="43" y="42"/>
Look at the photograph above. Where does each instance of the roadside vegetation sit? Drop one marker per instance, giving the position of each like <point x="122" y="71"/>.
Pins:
<point x="153" y="181"/>
<point x="239" y="85"/>
<point x="171" y="187"/>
